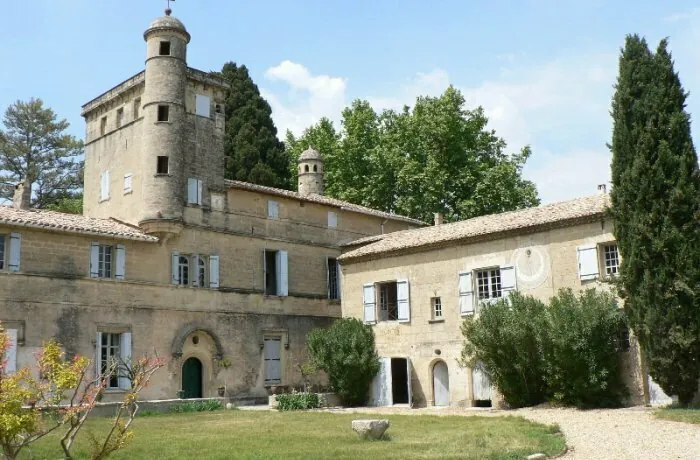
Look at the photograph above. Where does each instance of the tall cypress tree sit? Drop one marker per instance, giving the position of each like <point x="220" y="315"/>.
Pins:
<point x="656" y="211"/>
<point x="253" y="151"/>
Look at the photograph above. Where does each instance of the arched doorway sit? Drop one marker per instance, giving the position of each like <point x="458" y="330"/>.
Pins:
<point x="192" y="378"/>
<point x="441" y="384"/>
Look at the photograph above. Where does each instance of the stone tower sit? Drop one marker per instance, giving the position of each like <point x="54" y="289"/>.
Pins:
<point x="165" y="118"/>
<point x="310" y="172"/>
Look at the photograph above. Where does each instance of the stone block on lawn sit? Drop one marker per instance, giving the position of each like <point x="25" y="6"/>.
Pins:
<point x="370" y="429"/>
<point x="536" y="457"/>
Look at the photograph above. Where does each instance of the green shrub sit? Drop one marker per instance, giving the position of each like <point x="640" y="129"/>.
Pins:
<point x="345" y="351"/>
<point x="567" y="352"/>
<point x="208" y="405"/>
<point x="582" y="356"/>
<point x="507" y="339"/>
<point x="297" y="401"/>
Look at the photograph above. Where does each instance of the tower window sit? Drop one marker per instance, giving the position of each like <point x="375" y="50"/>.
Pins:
<point x="162" y="165"/>
<point x="103" y="126"/>
<point x="164" y="48"/>
<point x="315" y="168"/>
<point x="218" y="108"/>
<point x="120" y="117"/>
<point x="306" y="168"/>
<point x="163" y="113"/>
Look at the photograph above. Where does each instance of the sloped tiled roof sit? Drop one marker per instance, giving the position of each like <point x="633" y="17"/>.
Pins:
<point x="320" y="199"/>
<point x="484" y="227"/>
<point x="71" y="223"/>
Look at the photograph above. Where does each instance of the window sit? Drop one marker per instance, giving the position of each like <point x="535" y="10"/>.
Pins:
<point x="275" y="272"/>
<point x="162" y="167"/>
<point x="163" y="113"/>
<point x="195" y="270"/>
<point x="194" y="191"/>
<point x="104" y="186"/>
<point x="273" y="210"/>
<point x="612" y="260"/>
<point x="137" y="108"/>
<point x="128" y="183"/>
<point x="120" y="117"/>
<point x="333" y="279"/>
<point x="315" y="168"/>
<point x="113" y="355"/>
<point x="164" y="48"/>
<point x="103" y="126"/>
<point x="202" y="105"/>
<point x="436" y="304"/>
<point x="488" y="284"/>
<point x="10" y="246"/>
<point x="107" y="261"/>
<point x="332" y="219"/>
<point x="306" y="168"/>
<point x="10" y="356"/>
<point x="218" y="108"/>
<point x="393" y="302"/>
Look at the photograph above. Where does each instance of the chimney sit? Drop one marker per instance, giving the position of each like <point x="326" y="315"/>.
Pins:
<point x="22" y="196"/>
<point x="602" y="189"/>
<point x="439" y="218"/>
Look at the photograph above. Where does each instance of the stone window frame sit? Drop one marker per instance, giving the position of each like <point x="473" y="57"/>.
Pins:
<point x="436" y="309"/>
<point x="488" y="281"/>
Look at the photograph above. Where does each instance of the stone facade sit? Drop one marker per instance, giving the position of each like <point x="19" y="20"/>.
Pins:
<point x="170" y="257"/>
<point x="541" y="260"/>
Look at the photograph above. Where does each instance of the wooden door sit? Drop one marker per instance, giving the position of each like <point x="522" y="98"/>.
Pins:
<point x="481" y="384"/>
<point x="192" y="378"/>
<point x="441" y="384"/>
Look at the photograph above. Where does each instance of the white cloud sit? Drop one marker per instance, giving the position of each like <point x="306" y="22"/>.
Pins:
<point x="308" y="98"/>
<point x="432" y="83"/>
<point x="681" y="16"/>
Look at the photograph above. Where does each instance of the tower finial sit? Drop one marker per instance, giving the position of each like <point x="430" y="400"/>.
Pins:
<point x="168" y="10"/>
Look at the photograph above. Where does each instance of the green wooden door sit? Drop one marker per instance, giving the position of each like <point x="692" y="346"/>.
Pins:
<point x="192" y="378"/>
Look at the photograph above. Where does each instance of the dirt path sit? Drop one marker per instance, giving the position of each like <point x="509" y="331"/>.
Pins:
<point x="615" y="434"/>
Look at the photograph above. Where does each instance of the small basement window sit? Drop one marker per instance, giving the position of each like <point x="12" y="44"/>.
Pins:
<point x="163" y="113"/>
<point x="164" y="48"/>
<point x="162" y="165"/>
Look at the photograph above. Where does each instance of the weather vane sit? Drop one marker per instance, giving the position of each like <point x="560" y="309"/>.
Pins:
<point x="168" y="10"/>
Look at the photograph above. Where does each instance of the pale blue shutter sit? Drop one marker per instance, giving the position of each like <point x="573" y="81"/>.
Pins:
<point x="192" y="188"/>
<point x="175" y="269"/>
<point x="466" y="294"/>
<point x="94" y="260"/>
<point x="120" y="262"/>
<point x="214" y="272"/>
<point x="369" y="302"/>
<point x="403" y="301"/>
<point x="15" y="251"/>
<point x="587" y="262"/>
<point x="11" y="352"/>
<point x="125" y="357"/>
<point x="508" y="281"/>
<point x="98" y="354"/>
<point x="282" y="274"/>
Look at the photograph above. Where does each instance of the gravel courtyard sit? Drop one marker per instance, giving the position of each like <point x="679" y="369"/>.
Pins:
<point x="619" y="434"/>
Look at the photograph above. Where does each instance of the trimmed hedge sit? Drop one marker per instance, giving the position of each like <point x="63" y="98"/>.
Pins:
<point x="297" y="401"/>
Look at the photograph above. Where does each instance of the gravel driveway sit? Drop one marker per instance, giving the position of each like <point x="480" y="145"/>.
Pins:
<point x="616" y="434"/>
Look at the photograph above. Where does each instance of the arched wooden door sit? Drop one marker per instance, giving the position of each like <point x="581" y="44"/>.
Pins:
<point x="192" y="378"/>
<point x="441" y="384"/>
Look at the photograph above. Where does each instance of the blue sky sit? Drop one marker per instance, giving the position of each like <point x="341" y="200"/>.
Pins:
<point x="542" y="69"/>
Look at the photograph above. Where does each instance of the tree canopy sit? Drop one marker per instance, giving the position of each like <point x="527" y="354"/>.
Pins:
<point x="656" y="211"/>
<point x="35" y="148"/>
<point x="253" y="152"/>
<point x="437" y="156"/>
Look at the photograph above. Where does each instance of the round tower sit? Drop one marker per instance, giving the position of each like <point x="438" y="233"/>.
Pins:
<point x="310" y="172"/>
<point x="164" y="118"/>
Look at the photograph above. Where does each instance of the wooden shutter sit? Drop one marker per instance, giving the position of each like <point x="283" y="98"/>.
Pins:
<point x="214" y="272"/>
<point x="120" y="261"/>
<point x="193" y="270"/>
<point x="272" y="353"/>
<point x="11" y="352"/>
<point x="15" y="251"/>
<point x="508" y="281"/>
<point x="403" y="301"/>
<point x="380" y="392"/>
<point x="332" y="219"/>
<point x="175" y="272"/>
<point x="370" y="303"/>
<point x="408" y="381"/>
<point x="273" y="210"/>
<point x="282" y="273"/>
<point x="199" y="192"/>
<point x="264" y="253"/>
<point x="106" y="186"/>
<point x="94" y="260"/>
<point x="587" y="262"/>
<point x="128" y="187"/>
<point x="328" y="277"/>
<point x="191" y="190"/>
<point x="98" y="354"/>
<point x="125" y="356"/>
<point x="338" y="275"/>
<point x="466" y="294"/>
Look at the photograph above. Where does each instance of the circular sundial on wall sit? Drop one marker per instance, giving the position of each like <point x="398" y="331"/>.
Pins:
<point x="531" y="265"/>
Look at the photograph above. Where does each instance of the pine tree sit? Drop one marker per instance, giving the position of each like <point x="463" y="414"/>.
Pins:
<point x="656" y="211"/>
<point x="253" y="151"/>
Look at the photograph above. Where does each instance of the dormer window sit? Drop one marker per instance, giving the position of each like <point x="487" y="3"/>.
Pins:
<point x="164" y="48"/>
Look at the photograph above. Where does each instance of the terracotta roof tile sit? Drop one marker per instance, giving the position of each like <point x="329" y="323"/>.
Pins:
<point x="513" y="221"/>
<point x="320" y="199"/>
<point x="71" y="223"/>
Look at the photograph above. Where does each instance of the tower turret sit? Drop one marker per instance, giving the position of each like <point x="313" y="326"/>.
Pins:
<point x="164" y="118"/>
<point x="310" y="172"/>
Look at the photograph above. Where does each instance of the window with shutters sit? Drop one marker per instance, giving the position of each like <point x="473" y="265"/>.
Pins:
<point x="611" y="259"/>
<point x="194" y="191"/>
<point x="436" y="304"/>
<point x="196" y="270"/>
<point x="488" y="284"/>
<point x="201" y="280"/>
<point x="110" y="354"/>
<point x="104" y="267"/>
<point x="273" y="209"/>
<point x="202" y="105"/>
<point x="387" y="301"/>
<point x="388" y="305"/>
<point x="333" y="279"/>
<point x="275" y="271"/>
<point x="183" y="268"/>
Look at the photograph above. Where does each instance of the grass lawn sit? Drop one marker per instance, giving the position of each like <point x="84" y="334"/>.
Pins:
<point x="309" y="435"/>
<point x="680" y="415"/>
